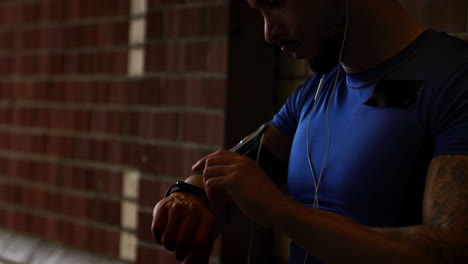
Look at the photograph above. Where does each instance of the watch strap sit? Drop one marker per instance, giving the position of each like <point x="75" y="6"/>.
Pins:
<point x="184" y="187"/>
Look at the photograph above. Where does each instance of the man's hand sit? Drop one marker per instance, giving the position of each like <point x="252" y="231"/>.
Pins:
<point x="183" y="224"/>
<point x="240" y="179"/>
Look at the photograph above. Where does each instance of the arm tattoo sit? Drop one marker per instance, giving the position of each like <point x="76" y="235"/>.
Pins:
<point x="444" y="237"/>
<point x="450" y="198"/>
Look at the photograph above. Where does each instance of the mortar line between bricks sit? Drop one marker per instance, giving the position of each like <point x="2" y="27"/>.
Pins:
<point x="69" y="162"/>
<point x="183" y="40"/>
<point x="65" y="51"/>
<point x="187" y="5"/>
<point x="144" y="209"/>
<point x="7" y="103"/>
<point x="17" y="2"/>
<point x="82" y="165"/>
<point x="20" y="2"/>
<point x="61" y="217"/>
<point x="161" y="178"/>
<point x="69" y="23"/>
<point x="5" y="178"/>
<point x="111" y="48"/>
<point x="111" y="77"/>
<point x="66" y="23"/>
<point x="28" y="130"/>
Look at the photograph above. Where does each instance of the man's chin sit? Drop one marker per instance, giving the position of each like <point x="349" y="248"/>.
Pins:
<point x="322" y="66"/>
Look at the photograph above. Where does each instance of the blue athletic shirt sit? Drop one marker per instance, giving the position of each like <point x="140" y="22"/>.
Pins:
<point x="386" y="124"/>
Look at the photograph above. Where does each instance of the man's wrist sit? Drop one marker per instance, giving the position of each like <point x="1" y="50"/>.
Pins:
<point x="183" y="187"/>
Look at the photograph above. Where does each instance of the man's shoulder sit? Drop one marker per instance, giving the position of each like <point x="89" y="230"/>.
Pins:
<point x="436" y="59"/>
<point x="444" y="53"/>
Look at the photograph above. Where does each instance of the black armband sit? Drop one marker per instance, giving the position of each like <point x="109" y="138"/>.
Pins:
<point x="252" y="147"/>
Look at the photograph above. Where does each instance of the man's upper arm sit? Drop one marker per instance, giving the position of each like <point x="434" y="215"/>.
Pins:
<point x="445" y="207"/>
<point x="277" y="143"/>
<point x="446" y="193"/>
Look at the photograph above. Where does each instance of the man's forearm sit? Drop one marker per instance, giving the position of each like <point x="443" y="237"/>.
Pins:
<point x="440" y="245"/>
<point x="336" y="239"/>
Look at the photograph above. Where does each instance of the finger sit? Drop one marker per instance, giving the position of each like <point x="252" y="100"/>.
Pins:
<point x="159" y="222"/>
<point x="202" y="242"/>
<point x="216" y="190"/>
<point x="201" y="164"/>
<point x="184" y="240"/>
<point x="171" y="232"/>
<point x="216" y="171"/>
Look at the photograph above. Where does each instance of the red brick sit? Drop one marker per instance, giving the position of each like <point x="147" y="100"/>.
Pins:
<point x="99" y="121"/>
<point x="112" y="244"/>
<point x="175" y="53"/>
<point x="37" y="226"/>
<point x="65" y="234"/>
<point x="107" y="212"/>
<point x="217" y="57"/>
<point x="130" y="123"/>
<point x="117" y="92"/>
<point x="193" y="22"/>
<point x="151" y="191"/>
<point x="155" y="57"/>
<point x="187" y="92"/>
<point x="196" y="56"/>
<point x="79" y="236"/>
<point x="175" y="161"/>
<point x="172" y="23"/>
<point x="202" y="127"/>
<point x="144" y="226"/>
<point x="165" y="57"/>
<point x="154" y="25"/>
<point x="161" y="125"/>
<point x="147" y="91"/>
<point x="51" y="229"/>
<point x="115" y="152"/>
<point x="5" y="140"/>
<point x="216" y="20"/>
<point x="69" y="37"/>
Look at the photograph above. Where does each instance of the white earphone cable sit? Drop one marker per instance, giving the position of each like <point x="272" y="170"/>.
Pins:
<point x="317" y="95"/>
<point x="317" y="181"/>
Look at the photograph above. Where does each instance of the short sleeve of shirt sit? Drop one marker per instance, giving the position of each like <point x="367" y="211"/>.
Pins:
<point x="450" y="122"/>
<point x="287" y="119"/>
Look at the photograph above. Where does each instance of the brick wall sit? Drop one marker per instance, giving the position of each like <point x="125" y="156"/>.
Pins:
<point x="67" y="113"/>
<point x="186" y="59"/>
<point x="104" y="104"/>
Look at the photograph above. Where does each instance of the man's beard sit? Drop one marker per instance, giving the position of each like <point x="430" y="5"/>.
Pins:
<point x="328" y="55"/>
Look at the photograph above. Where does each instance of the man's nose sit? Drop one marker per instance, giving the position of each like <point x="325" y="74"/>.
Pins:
<point x="271" y="30"/>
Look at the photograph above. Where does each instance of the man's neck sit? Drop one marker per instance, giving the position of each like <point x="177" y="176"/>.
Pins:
<point x="375" y="36"/>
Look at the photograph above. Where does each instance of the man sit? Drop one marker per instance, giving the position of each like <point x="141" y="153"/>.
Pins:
<point x="377" y="146"/>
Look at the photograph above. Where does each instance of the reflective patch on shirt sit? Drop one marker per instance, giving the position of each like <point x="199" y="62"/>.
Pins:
<point x="401" y="94"/>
